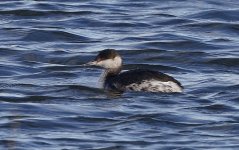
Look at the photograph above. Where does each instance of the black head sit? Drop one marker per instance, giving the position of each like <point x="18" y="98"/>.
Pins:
<point x="106" y="54"/>
<point x="108" y="59"/>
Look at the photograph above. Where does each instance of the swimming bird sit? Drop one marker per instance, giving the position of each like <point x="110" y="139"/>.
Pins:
<point x="132" y="80"/>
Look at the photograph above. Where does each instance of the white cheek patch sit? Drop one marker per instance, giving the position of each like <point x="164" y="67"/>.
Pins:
<point x="111" y="63"/>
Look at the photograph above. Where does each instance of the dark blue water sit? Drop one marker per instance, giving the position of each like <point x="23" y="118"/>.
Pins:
<point x="48" y="101"/>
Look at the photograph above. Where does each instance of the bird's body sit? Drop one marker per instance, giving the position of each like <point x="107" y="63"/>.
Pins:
<point x="133" y="80"/>
<point x="142" y="80"/>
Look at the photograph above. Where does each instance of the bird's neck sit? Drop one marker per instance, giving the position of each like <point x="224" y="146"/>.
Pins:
<point x="112" y="71"/>
<point x="109" y="74"/>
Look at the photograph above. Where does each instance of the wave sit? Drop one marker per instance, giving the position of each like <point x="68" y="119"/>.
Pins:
<point x="52" y="35"/>
<point x="215" y="14"/>
<point x="180" y="45"/>
<point x="42" y="13"/>
<point x="229" y="62"/>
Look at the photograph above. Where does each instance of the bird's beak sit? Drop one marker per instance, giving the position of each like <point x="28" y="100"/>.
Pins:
<point x="91" y="63"/>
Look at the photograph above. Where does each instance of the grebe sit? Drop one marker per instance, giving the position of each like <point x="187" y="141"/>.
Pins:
<point x="133" y="80"/>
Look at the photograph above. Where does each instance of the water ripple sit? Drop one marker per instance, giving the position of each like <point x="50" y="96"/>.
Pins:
<point x="49" y="100"/>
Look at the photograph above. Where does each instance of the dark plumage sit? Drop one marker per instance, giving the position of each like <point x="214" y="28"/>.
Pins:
<point x="136" y="76"/>
<point x="106" y="54"/>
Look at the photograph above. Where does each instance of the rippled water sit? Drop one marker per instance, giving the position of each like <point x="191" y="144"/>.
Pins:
<point x="48" y="101"/>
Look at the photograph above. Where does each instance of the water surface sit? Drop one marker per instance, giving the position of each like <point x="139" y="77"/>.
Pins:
<point x="48" y="101"/>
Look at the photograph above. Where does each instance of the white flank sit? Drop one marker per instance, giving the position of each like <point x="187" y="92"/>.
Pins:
<point x="155" y="86"/>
